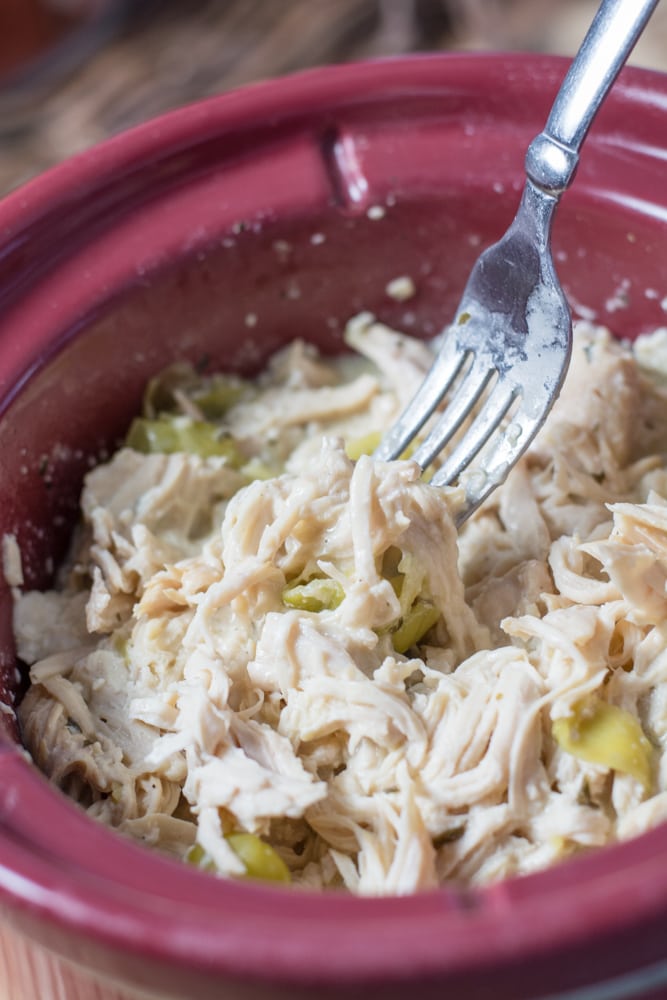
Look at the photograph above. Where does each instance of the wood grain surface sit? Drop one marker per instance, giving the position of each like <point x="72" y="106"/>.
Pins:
<point x="159" y="54"/>
<point x="28" y="972"/>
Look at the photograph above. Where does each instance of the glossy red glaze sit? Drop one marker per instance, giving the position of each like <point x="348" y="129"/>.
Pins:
<point x="159" y="245"/>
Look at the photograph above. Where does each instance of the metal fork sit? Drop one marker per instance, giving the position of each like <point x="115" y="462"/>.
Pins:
<point x="510" y="344"/>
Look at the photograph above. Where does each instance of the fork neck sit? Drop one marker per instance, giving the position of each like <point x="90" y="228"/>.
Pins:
<point x="535" y="214"/>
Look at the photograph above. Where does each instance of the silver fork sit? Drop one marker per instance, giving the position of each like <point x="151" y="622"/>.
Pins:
<point x="510" y="344"/>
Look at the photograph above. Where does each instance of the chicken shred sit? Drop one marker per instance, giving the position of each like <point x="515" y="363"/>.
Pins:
<point x="319" y="659"/>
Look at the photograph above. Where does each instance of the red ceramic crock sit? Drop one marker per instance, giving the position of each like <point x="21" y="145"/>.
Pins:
<point x="218" y="233"/>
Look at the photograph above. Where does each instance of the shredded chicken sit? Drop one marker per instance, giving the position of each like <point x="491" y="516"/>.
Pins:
<point x="290" y="643"/>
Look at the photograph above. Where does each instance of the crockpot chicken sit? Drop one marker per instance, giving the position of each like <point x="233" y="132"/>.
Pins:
<point x="273" y="656"/>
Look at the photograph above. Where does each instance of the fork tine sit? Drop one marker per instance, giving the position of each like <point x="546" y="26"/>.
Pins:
<point x="445" y="368"/>
<point x="511" y="445"/>
<point x="458" y="408"/>
<point x="487" y="420"/>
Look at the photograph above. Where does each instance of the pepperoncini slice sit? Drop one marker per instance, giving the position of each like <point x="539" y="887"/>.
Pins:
<point x="167" y="435"/>
<point x="414" y="625"/>
<point x="256" y="469"/>
<point x="196" y="855"/>
<point x="365" y="445"/>
<point x="418" y="613"/>
<point x="212" y="394"/>
<point x="218" y="395"/>
<point x="314" y="595"/>
<point x="607" y="735"/>
<point x="259" y="858"/>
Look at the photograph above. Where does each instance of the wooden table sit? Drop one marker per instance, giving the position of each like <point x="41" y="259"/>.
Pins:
<point x="164" y="53"/>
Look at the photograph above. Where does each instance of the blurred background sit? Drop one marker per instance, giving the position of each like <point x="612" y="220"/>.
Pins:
<point x="73" y="72"/>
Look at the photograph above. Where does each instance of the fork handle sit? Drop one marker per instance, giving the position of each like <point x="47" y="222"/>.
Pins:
<point x="552" y="157"/>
